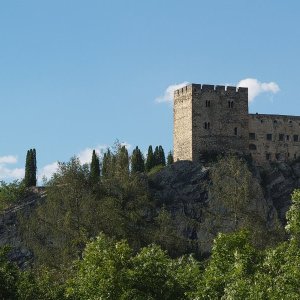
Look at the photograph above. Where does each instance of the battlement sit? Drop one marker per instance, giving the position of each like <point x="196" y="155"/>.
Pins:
<point x="198" y="88"/>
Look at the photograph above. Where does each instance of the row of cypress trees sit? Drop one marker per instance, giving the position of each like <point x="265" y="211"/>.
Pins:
<point x="119" y="162"/>
<point x="138" y="163"/>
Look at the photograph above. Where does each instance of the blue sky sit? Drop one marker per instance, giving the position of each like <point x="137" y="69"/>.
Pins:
<point x="77" y="75"/>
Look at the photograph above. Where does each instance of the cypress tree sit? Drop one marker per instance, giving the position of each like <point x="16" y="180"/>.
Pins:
<point x="33" y="168"/>
<point x="30" y="168"/>
<point x="95" y="168"/>
<point x="150" y="162"/>
<point x="27" y="170"/>
<point x="123" y="159"/>
<point x="137" y="161"/>
<point x="106" y="163"/>
<point x="156" y="156"/>
<point x="170" y="158"/>
<point x="161" y="155"/>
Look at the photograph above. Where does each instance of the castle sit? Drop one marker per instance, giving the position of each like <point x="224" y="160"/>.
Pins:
<point x="210" y="118"/>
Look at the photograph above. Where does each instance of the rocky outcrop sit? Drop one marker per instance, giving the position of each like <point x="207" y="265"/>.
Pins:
<point x="183" y="188"/>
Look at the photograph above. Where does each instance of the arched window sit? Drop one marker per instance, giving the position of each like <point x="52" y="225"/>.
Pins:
<point x="205" y="125"/>
<point x="252" y="147"/>
<point x="235" y="131"/>
<point x="208" y="125"/>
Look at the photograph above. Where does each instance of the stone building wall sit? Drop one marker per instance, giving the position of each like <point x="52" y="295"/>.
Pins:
<point x="214" y="118"/>
<point x="183" y="124"/>
<point x="274" y="137"/>
<point x="220" y="119"/>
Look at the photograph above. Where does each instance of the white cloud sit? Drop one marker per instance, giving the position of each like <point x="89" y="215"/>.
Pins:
<point x="8" y="159"/>
<point x="256" y="87"/>
<point x="6" y="173"/>
<point x="85" y="156"/>
<point x="10" y="173"/>
<point x="47" y="171"/>
<point x="169" y="92"/>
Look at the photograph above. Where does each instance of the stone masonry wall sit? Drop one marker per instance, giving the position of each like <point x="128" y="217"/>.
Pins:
<point x="220" y="119"/>
<point x="274" y="137"/>
<point x="183" y="124"/>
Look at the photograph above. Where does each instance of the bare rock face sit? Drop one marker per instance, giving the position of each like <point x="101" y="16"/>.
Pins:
<point x="183" y="189"/>
<point x="279" y="183"/>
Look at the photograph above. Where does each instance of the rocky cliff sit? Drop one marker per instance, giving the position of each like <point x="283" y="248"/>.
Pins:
<point x="183" y="189"/>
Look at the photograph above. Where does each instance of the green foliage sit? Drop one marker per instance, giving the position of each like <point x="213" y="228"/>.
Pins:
<point x="137" y="161"/>
<point x="11" y="193"/>
<point x="150" y="161"/>
<point x="110" y="270"/>
<point x="30" y="168"/>
<point x="293" y="217"/>
<point x="95" y="168"/>
<point x="9" y="275"/>
<point x="233" y="257"/>
<point x="58" y="227"/>
<point x="234" y="185"/>
<point x="170" y="158"/>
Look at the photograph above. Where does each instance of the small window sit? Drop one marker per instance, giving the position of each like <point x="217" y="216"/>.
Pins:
<point x="288" y="154"/>
<point x="287" y="137"/>
<point x="296" y="137"/>
<point x="252" y="147"/>
<point x="207" y="103"/>
<point x="251" y="136"/>
<point x="269" y="136"/>
<point x="290" y="123"/>
<point x="230" y="104"/>
<point x="208" y="125"/>
<point x="261" y="121"/>
<point x="205" y="125"/>
<point x="235" y="131"/>
<point x="268" y="156"/>
<point x="275" y="122"/>
<point x="281" y="136"/>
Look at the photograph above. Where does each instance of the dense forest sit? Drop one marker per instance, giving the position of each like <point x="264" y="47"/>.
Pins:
<point x="101" y="234"/>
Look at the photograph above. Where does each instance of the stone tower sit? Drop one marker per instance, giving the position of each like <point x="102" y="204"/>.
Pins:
<point x="210" y="118"/>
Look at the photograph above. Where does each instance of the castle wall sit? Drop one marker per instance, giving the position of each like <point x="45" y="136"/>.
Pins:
<point x="211" y="118"/>
<point x="183" y="124"/>
<point x="226" y="112"/>
<point x="282" y="142"/>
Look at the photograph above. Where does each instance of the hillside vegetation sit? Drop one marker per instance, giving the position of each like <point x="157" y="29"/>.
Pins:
<point x="185" y="231"/>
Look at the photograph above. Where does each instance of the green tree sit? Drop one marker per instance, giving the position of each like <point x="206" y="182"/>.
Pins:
<point x="233" y="185"/>
<point x="293" y="217"/>
<point x="170" y="159"/>
<point x="9" y="275"/>
<point x="107" y="163"/>
<point x="110" y="270"/>
<point x="58" y="228"/>
<point x="95" y="168"/>
<point x="137" y="161"/>
<point x="161" y="156"/>
<point x="30" y="168"/>
<point x="150" y="161"/>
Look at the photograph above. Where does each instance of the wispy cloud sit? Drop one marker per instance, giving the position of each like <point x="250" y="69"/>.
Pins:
<point x="47" y="171"/>
<point x="10" y="173"/>
<point x="169" y="92"/>
<point x="256" y="87"/>
<point x="8" y="159"/>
